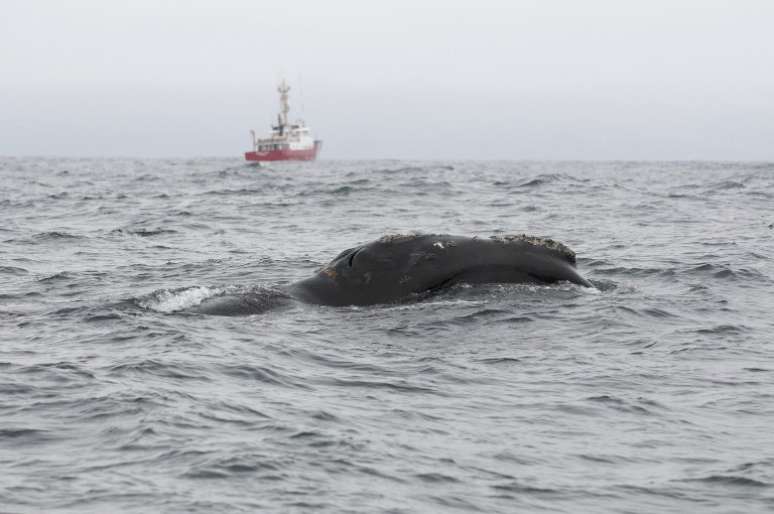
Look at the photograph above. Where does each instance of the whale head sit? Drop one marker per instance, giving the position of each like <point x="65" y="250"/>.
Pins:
<point x="396" y="267"/>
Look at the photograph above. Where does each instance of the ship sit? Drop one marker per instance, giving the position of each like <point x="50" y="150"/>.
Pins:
<point x="288" y="141"/>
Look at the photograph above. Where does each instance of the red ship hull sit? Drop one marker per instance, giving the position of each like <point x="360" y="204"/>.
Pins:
<point x="308" y="154"/>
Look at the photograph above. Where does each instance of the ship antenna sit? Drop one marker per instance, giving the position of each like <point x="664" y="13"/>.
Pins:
<point x="283" y="90"/>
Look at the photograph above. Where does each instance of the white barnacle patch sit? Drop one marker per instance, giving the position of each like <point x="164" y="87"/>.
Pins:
<point x="398" y="238"/>
<point x="537" y="241"/>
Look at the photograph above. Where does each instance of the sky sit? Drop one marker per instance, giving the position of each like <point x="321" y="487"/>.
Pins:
<point x="483" y="79"/>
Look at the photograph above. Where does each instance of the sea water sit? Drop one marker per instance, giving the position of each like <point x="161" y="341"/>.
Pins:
<point x="653" y="392"/>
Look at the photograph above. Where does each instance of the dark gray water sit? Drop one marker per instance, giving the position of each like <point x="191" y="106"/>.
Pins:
<point x="654" y="393"/>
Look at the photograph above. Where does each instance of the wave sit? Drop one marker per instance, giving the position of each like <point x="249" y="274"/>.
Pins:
<point x="12" y="270"/>
<point x="726" y="272"/>
<point x="238" y="192"/>
<point x="536" y="182"/>
<point x="516" y="487"/>
<point x="263" y="374"/>
<point x="176" y="370"/>
<point x="173" y="300"/>
<point x="217" y="301"/>
<point x="24" y="436"/>
<point x="435" y="477"/>
<point x="729" y="480"/>
<point x="56" y="235"/>
<point x="405" y="169"/>
<point x="62" y="275"/>
<point x="725" y="329"/>
<point x="548" y="178"/>
<point x="399" y="387"/>
<point x="43" y="237"/>
<point x="621" y="405"/>
<point x="717" y="271"/>
<point x="499" y="360"/>
<point x="726" y="184"/>
<point x="491" y="315"/>
<point x="59" y="372"/>
<point x="340" y="190"/>
<point x="143" y="232"/>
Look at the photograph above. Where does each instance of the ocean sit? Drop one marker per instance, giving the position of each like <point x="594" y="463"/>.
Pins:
<point x="653" y="392"/>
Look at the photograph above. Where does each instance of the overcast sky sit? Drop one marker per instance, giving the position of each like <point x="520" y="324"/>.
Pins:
<point x="483" y="79"/>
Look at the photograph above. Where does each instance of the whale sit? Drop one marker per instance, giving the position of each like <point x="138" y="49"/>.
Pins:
<point x="397" y="267"/>
<point x="400" y="267"/>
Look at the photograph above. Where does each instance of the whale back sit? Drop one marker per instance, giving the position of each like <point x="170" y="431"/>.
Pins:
<point x="396" y="266"/>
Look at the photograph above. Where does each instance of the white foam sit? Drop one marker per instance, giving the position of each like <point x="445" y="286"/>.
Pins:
<point x="167" y="301"/>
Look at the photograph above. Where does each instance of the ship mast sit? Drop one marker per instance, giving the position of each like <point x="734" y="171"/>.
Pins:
<point x="283" y="89"/>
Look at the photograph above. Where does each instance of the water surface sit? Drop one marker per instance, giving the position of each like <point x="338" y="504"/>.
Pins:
<point x="652" y="394"/>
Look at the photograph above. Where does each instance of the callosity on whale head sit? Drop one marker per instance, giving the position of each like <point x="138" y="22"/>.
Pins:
<point x="396" y="266"/>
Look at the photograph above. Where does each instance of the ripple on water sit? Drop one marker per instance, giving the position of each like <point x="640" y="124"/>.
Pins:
<point x="13" y="270"/>
<point x="22" y="436"/>
<point x="263" y="374"/>
<point x="729" y="481"/>
<point x="167" y="369"/>
<point x="143" y="232"/>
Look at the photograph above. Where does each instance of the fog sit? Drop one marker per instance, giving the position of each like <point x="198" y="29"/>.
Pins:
<point x="425" y="80"/>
